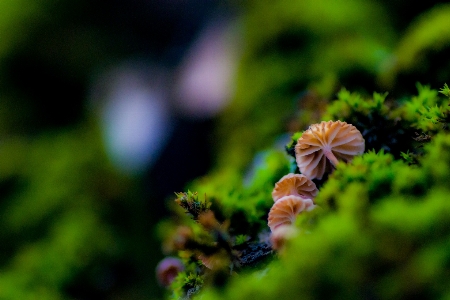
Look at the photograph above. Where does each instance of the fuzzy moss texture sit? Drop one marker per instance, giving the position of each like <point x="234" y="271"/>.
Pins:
<point x="383" y="227"/>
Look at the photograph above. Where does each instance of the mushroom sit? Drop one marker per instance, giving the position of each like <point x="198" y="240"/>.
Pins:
<point x="280" y="235"/>
<point x="320" y="148"/>
<point x="168" y="269"/>
<point x="294" y="184"/>
<point x="285" y="210"/>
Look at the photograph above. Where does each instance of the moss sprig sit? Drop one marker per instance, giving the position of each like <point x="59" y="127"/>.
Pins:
<point x="193" y="206"/>
<point x="445" y="90"/>
<point x="427" y="112"/>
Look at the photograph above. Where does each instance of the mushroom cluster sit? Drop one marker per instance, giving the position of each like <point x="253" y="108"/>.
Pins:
<point x="318" y="151"/>
<point x="292" y="194"/>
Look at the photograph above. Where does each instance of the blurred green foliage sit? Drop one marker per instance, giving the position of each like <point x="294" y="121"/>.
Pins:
<point x="71" y="225"/>
<point x="294" y="49"/>
<point x="421" y="53"/>
<point x="61" y="231"/>
<point x="290" y="45"/>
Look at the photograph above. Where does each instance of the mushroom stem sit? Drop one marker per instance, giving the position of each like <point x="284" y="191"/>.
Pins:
<point x="329" y="154"/>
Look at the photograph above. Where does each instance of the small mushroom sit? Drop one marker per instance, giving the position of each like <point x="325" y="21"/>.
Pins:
<point x="168" y="269"/>
<point x="294" y="184"/>
<point x="280" y="235"/>
<point x="286" y="209"/>
<point x="320" y="147"/>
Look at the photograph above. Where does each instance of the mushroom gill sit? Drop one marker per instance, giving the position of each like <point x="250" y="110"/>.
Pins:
<point x="285" y="210"/>
<point x="294" y="184"/>
<point x="323" y="145"/>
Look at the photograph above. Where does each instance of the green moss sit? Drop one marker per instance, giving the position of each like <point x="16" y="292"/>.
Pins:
<point x="445" y="90"/>
<point x="376" y="118"/>
<point x="382" y="241"/>
<point x="372" y="233"/>
<point x="381" y="226"/>
<point x="58" y="194"/>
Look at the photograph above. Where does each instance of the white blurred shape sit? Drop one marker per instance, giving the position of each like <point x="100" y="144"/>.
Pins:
<point x="205" y="78"/>
<point x="135" y="118"/>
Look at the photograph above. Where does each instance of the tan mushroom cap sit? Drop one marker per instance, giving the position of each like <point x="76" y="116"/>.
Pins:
<point x="294" y="184"/>
<point x="320" y="147"/>
<point x="168" y="269"/>
<point x="286" y="209"/>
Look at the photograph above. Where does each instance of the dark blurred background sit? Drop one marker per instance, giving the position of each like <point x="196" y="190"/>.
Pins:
<point x="106" y="110"/>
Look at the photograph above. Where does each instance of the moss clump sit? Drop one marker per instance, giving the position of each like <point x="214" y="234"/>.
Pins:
<point x="382" y="227"/>
<point x="373" y="234"/>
